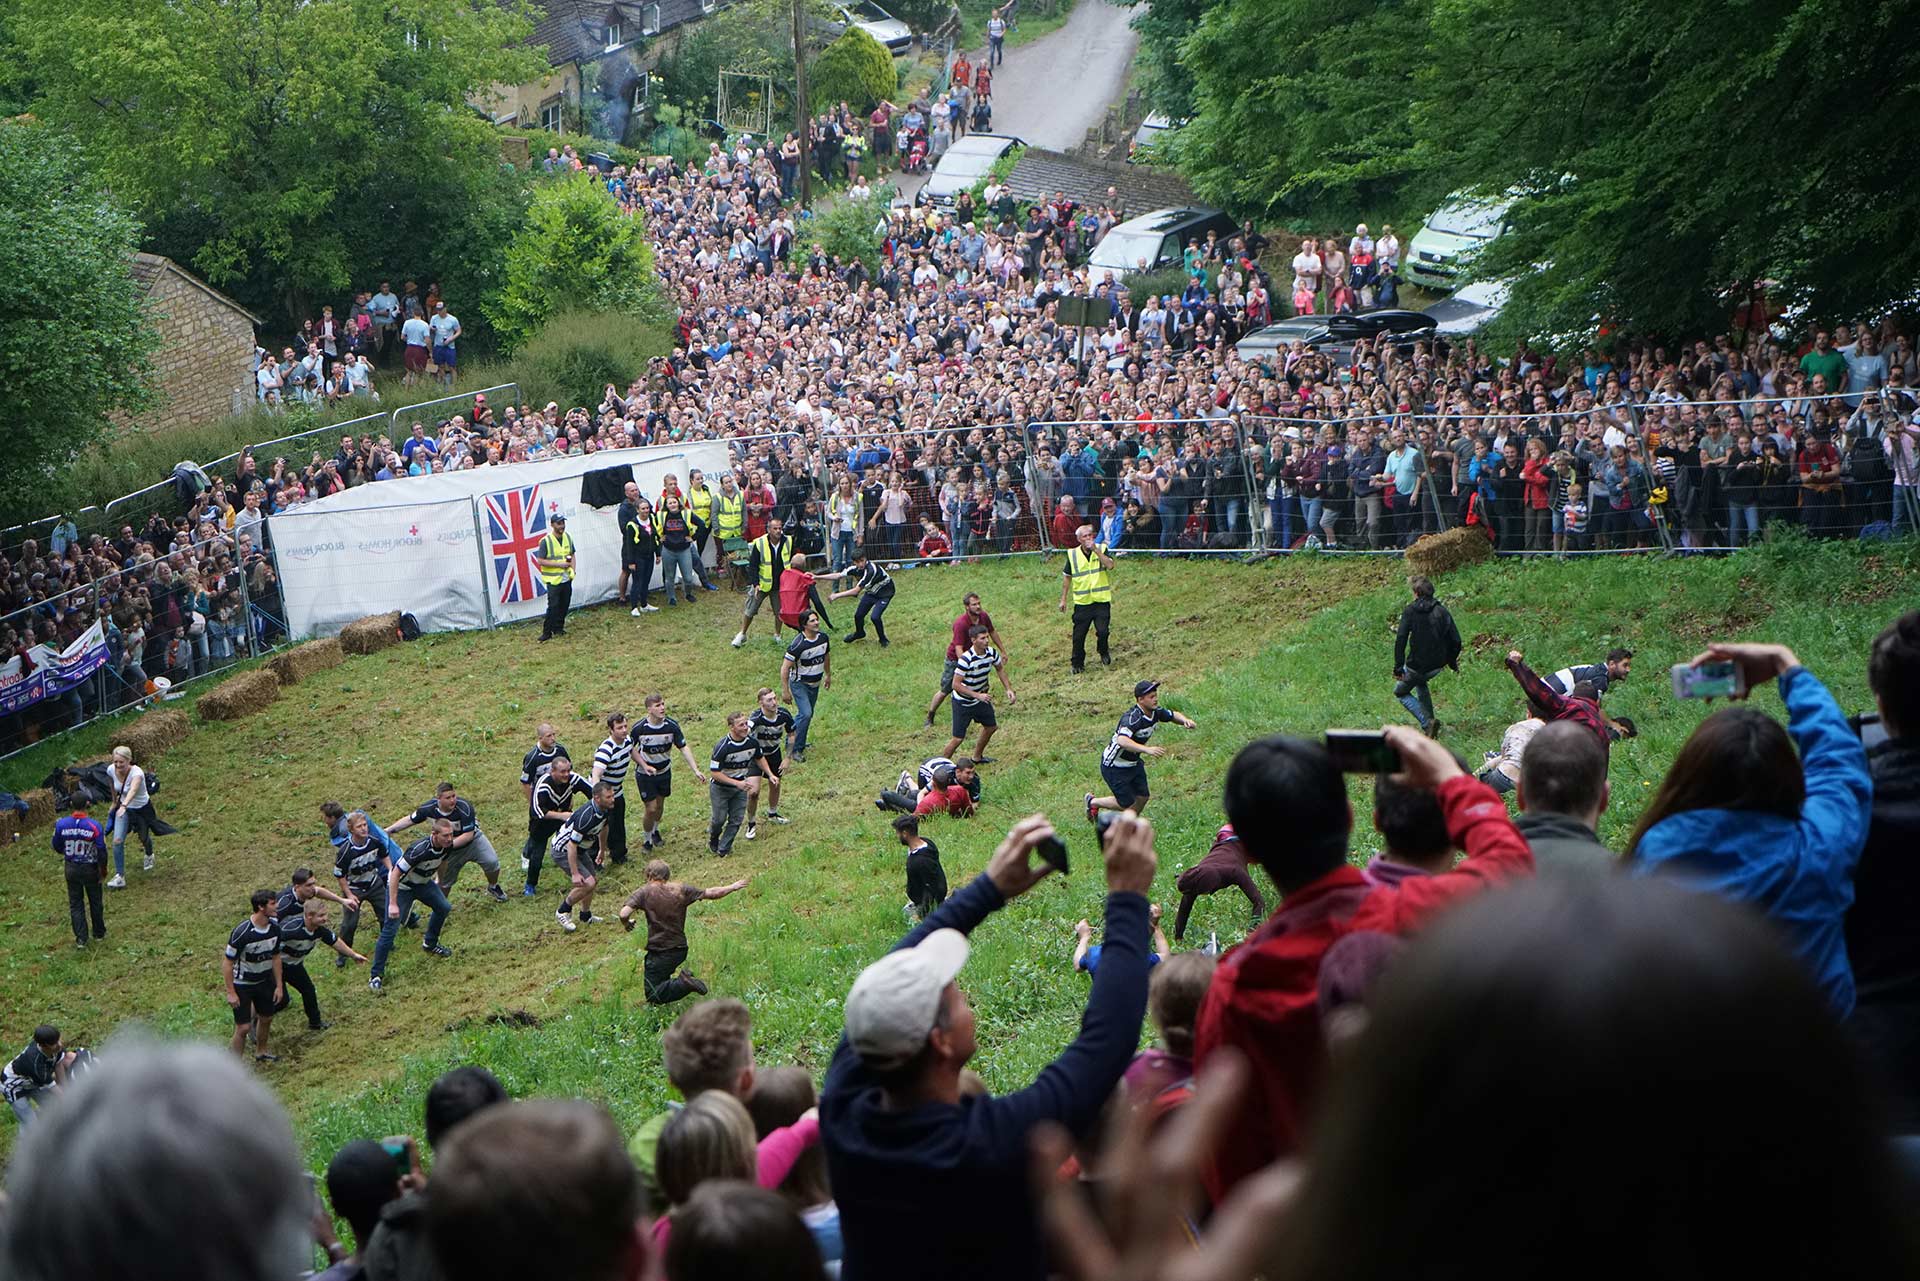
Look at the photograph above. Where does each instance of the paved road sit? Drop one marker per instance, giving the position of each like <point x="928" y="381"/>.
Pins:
<point x="1052" y="91"/>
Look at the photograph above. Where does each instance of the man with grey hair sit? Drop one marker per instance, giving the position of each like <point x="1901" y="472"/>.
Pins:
<point x="165" y="1157"/>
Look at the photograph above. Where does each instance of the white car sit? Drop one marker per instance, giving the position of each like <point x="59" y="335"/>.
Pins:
<point x="1459" y="228"/>
<point x="1471" y="307"/>
<point x="964" y="164"/>
<point x="896" y="35"/>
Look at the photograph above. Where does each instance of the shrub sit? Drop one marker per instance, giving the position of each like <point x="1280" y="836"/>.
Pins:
<point x="577" y="248"/>
<point x="855" y="69"/>
<point x="573" y="358"/>
<point x="1142" y="285"/>
<point x="851" y="228"/>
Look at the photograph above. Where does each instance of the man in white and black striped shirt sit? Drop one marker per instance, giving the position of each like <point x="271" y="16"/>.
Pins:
<point x="654" y="737"/>
<point x="413" y="878"/>
<point x="533" y="767"/>
<point x="559" y="792"/>
<point x="772" y="725"/>
<point x="804" y="673"/>
<point x="1121" y="764"/>
<point x="251" y="967"/>
<point x="733" y="775"/>
<point x="611" y="761"/>
<point x="583" y="828"/>
<point x="300" y="933"/>
<point x="973" y="675"/>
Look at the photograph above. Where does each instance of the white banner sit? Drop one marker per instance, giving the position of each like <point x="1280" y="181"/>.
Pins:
<point x="339" y="566"/>
<point x="455" y="549"/>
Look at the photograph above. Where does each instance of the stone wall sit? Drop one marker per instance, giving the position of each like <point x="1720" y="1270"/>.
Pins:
<point x="201" y="368"/>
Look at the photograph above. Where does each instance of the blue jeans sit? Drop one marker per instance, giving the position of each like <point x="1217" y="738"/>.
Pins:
<point x="803" y="698"/>
<point x="1311" y="509"/>
<point x="677" y="565"/>
<point x="843" y="545"/>
<point x="1173" y="520"/>
<point x="1411" y="690"/>
<point x="1906" y="508"/>
<point x="1231" y="525"/>
<point x="122" y="822"/>
<point x="1746" y="516"/>
<point x="436" y="900"/>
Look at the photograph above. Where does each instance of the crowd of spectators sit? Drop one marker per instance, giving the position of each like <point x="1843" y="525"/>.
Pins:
<point x="1389" y="1034"/>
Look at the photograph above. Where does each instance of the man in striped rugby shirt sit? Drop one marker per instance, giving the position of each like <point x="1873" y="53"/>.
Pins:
<point x="611" y="761"/>
<point x="979" y="663"/>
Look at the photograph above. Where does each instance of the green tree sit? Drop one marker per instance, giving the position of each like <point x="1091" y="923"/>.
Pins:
<point x="577" y="251"/>
<point x="851" y="229"/>
<point x="258" y="140"/>
<point x="1164" y="26"/>
<point x="1677" y="149"/>
<point x="74" y="345"/>
<point x="1300" y="104"/>
<point x="855" y="69"/>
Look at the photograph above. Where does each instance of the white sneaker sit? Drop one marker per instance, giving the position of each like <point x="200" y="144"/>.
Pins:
<point x="649" y="609"/>
<point x="566" y="921"/>
<point x="146" y="864"/>
<point x="752" y="831"/>
<point x="635" y="611"/>
<point x="906" y="783"/>
<point x="117" y="883"/>
<point x="739" y="639"/>
<point x="524" y="863"/>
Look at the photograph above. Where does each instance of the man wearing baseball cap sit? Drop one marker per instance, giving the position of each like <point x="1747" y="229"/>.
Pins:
<point x="554" y="559"/>
<point x="898" y="1135"/>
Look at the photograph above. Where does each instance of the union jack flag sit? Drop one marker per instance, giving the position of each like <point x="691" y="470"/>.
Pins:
<point x="516" y="522"/>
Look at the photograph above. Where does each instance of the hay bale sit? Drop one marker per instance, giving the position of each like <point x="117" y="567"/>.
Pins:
<point x="239" y="696"/>
<point x="153" y="733"/>
<point x="1436" y="554"/>
<point x="372" y="634"/>
<point x="39" y="813"/>
<point x="294" y="665"/>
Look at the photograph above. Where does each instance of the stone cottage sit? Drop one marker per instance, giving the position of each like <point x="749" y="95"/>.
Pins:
<point x="203" y="364"/>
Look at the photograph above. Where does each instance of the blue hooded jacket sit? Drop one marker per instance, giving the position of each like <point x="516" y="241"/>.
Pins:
<point x="1798" y="871"/>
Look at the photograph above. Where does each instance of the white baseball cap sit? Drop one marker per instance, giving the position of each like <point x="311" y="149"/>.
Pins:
<point x="896" y="1000"/>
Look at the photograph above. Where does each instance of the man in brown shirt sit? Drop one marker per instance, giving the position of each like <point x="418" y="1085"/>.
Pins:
<point x="665" y="903"/>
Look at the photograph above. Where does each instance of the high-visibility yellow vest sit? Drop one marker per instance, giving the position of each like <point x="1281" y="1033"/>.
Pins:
<point x="766" y="550"/>
<point x="731" y="515"/>
<point x="700" y="502"/>
<point x="555" y="547"/>
<point x="1091" y="585"/>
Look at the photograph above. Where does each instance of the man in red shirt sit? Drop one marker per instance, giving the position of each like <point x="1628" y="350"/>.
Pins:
<point x="972" y="615"/>
<point x="1820" y="480"/>
<point x="1288" y="804"/>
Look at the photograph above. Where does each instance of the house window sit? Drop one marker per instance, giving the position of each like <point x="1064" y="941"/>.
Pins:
<point x="707" y="6"/>
<point x="650" y="25"/>
<point x="613" y="36"/>
<point x="553" y="114"/>
<point x="413" y="39"/>
<point x="643" y="90"/>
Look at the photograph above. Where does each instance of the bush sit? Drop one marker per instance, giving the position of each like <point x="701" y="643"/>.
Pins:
<point x="855" y="69"/>
<point x="573" y="358"/>
<point x="1142" y="285"/>
<point x="577" y="249"/>
<point x="851" y="228"/>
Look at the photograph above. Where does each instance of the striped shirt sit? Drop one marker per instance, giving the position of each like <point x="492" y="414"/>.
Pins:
<point x="462" y="816"/>
<point x="535" y="764"/>
<point x="655" y="743"/>
<point x="874" y="580"/>
<point x="613" y="758"/>
<point x="582" y="828"/>
<point x="772" y="731"/>
<point x="358" y="864"/>
<point x="1138" y="726"/>
<point x="420" y="862"/>
<point x="296" y="940"/>
<point x="809" y="657"/>
<point x="551" y="798"/>
<point x="972" y="673"/>
<point x="735" y="757"/>
<point x="252" y="948"/>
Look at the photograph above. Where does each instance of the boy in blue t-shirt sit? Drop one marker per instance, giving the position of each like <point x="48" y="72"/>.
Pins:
<point x="1086" y="953"/>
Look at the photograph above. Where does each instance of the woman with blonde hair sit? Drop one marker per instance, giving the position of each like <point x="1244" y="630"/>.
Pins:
<point x="712" y="1137"/>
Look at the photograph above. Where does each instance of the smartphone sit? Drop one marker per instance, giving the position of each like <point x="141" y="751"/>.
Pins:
<point x="1362" y="751"/>
<point x="401" y="1163"/>
<point x="1053" y="852"/>
<point x="1721" y="678"/>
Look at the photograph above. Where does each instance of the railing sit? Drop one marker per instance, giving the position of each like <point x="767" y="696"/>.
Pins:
<point x="418" y="410"/>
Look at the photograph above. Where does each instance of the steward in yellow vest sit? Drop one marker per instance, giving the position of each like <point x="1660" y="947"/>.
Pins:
<point x="1088" y="583"/>
<point x="768" y="557"/>
<point x="554" y="559"/>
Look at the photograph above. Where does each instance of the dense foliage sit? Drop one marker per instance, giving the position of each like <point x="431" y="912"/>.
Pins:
<point x="855" y="69"/>
<point x="1672" y="151"/>
<point x="577" y="250"/>
<point x="74" y="343"/>
<point x="850" y="229"/>
<point x="287" y="150"/>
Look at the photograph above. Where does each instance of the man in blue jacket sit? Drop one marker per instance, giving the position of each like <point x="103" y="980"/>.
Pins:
<point x="82" y="845"/>
<point x="899" y="1137"/>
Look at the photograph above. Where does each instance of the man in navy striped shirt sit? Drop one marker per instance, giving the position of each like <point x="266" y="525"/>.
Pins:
<point x="611" y="761"/>
<point x="973" y="675"/>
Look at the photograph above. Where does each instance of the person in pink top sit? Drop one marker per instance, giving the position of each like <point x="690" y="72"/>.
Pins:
<point x="972" y="615"/>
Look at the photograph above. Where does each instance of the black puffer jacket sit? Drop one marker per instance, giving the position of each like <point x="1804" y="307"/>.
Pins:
<point x="1428" y="640"/>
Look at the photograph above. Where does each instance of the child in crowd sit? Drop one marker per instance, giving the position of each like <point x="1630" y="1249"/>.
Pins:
<point x="1086" y="953"/>
<point x="1162" y="1074"/>
<point x="933" y="540"/>
<point x="1576" y="518"/>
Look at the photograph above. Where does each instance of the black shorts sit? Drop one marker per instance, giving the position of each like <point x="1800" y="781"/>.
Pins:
<point x="965" y="714"/>
<point x="256" y="1001"/>
<point x="654" y="787"/>
<point x="1129" y="782"/>
<point x="775" y="760"/>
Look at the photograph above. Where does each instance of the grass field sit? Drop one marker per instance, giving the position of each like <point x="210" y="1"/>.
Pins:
<point x="1293" y="645"/>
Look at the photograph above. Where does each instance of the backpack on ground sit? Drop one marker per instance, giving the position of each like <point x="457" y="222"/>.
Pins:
<point x="409" y="628"/>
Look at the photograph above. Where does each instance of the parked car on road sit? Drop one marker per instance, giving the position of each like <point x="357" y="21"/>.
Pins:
<point x="1155" y="240"/>
<point x="1153" y="132"/>
<point x="896" y="35"/>
<point x="1471" y="307"/>
<point x="965" y="163"/>
<point x="1462" y="226"/>
<point x="1337" y="334"/>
